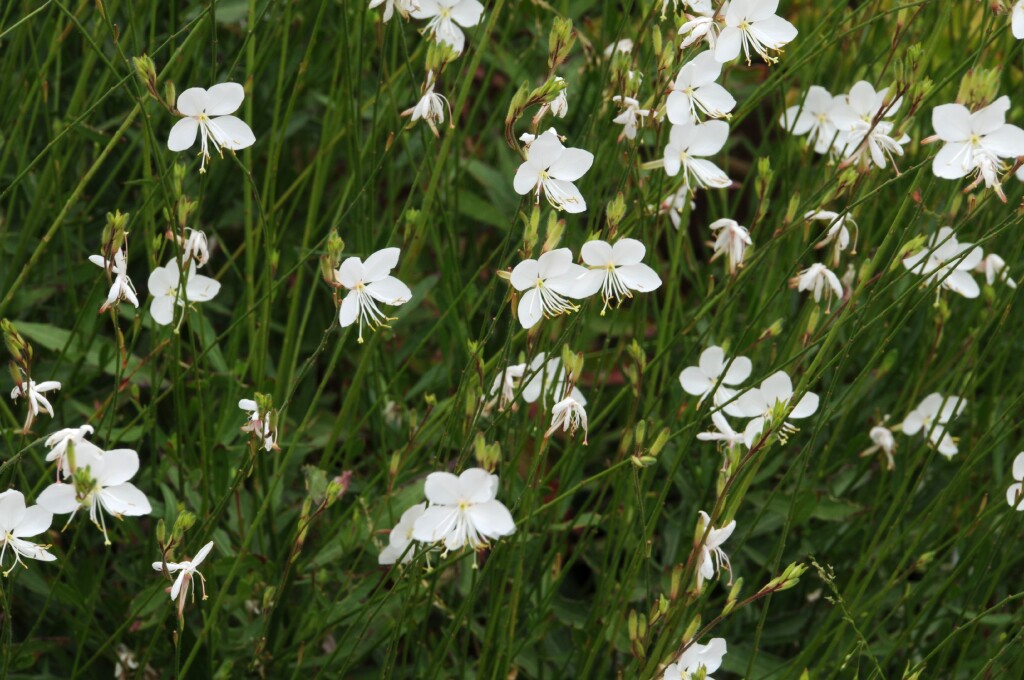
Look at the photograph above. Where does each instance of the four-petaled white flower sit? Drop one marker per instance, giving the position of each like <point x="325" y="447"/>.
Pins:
<point x="187" y="571"/>
<point x="463" y="510"/>
<point x="33" y="393"/>
<point x="948" y="261"/>
<point x="774" y="395"/>
<point x="430" y="108"/>
<point x="260" y="425"/>
<point x="552" y="168"/>
<point x="100" y="484"/>
<point x="838" y="234"/>
<point x="731" y="241"/>
<point x="813" y="117"/>
<point x="1015" y="492"/>
<point x="975" y="142"/>
<point x="404" y="7"/>
<point x="168" y="290"/>
<point x="695" y="92"/>
<point x="121" y="287"/>
<point x="712" y="557"/>
<point x="401" y="536"/>
<point x="631" y="116"/>
<point x="616" y="270"/>
<point x="207" y="113"/>
<point x="445" y="18"/>
<point x="368" y="283"/>
<point x="687" y="146"/>
<point x="568" y="415"/>
<point x="994" y="267"/>
<point x="715" y="373"/>
<point x="930" y="419"/>
<point x="17" y="524"/>
<point x="818" y="279"/>
<point x="73" y="438"/>
<point x="696" y="657"/>
<point x="856" y="119"/>
<point x="753" y="25"/>
<point x="547" y="282"/>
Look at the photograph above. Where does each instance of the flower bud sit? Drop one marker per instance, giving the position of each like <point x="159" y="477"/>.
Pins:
<point x="616" y="210"/>
<point x="16" y="345"/>
<point x="560" y="41"/>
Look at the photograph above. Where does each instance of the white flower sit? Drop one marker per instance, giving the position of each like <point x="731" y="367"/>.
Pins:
<point x="33" y="392"/>
<point x="723" y="432"/>
<point x="125" y="662"/>
<point x="675" y="203"/>
<point x="856" y="118"/>
<point x="1017" y="20"/>
<point x="166" y="287"/>
<point x="753" y="25"/>
<point x="206" y="112"/>
<point x="761" y="403"/>
<point x="617" y="270"/>
<point x="187" y="571"/>
<point x="930" y="419"/>
<point x="712" y="557"/>
<point x="368" y="283"/>
<point x="505" y="383"/>
<point x="18" y="523"/>
<point x="260" y="425"/>
<point x="813" y="117"/>
<point x="463" y="510"/>
<point x="697" y="656"/>
<point x="404" y="7"/>
<point x="1015" y="492"/>
<point x="73" y="437"/>
<point x="837" y="233"/>
<point x="688" y="144"/>
<point x="121" y="287"/>
<point x="695" y="92"/>
<point x="430" y="108"/>
<point x="631" y="117"/>
<point x="401" y="536"/>
<point x="975" y="142"/>
<point x="560" y="105"/>
<point x="625" y="46"/>
<point x="100" y="484"/>
<point x="882" y="440"/>
<point x="547" y="379"/>
<point x="553" y="168"/>
<point x="819" y="279"/>
<point x="569" y="415"/>
<point x="195" y="246"/>
<point x="947" y="260"/>
<point x="700" y="27"/>
<point x="446" y="16"/>
<point x="547" y="282"/>
<point x="710" y="375"/>
<point x="731" y="241"/>
<point x="994" y="267"/>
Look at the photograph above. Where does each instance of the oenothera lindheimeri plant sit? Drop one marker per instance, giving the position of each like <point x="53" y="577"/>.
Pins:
<point x="456" y="339"/>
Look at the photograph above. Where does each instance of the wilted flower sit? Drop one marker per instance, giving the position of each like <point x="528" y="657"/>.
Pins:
<point x="560" y="105"/>
<point x="17" y="524"/>
<point x="547" y="380"/>
<point x="712" y="557"/>
<point x="569" y="415"/>
<point x="165" y="286"/>
<point x="194" y="246"/>
<point x="819" y="279"/>
<point x="260" y="424"/>
<point x="430" y="108"/>
<point x="837" y="233"/>
<point x="882" y="440"/>
<point x="731" y="241"/>
<point x="552" y="168"/>
<point x="187" y="571"/>
<point x="994" y="267"/>
<point x="930" y="419"/>
<point x="33" y="393"/>
<point x="206" y="112"/>
<point x="73" y="437"/>
<point x="121" y="287"/>
<point x="401" y="536"/>
<point x="368" y="283"/>
<point x="505" y="383"/>
<point x="547" y="282"/>
<point x="463" y="510"/>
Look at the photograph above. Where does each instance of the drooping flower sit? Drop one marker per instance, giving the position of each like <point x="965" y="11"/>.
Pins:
<point x="675" y="203"/>
<point x="775" y="393"/>
<point x="975" y="142"/>
<point x="463" y="510"/>
<point x="715" y="374"/>
<point x="430" y="108"/>
<point x="696" y="657"/>
<point x="404" y="7"/>
<point x="100" y="483"/>
<point x="631" y="116"/>
<point x="882" y="440"/>
<point x="168" y="290"/>
<point x="818" y="279"/>
<point x="368" y="283"/>
<point x="121" y="287"/>
<point x="207" y="113"/>
<point x="687" y="147"/>
<point x="546" y="380"/>
<point x="617" y="270"/>
<point x="568" y="415"/>
<point x="187" y="571"/>
<point x="262" y="425"/>
<point x="19" y="523"/>
<point x="552" y="168"/>
<point x="194" y="246"/>
<point x="695" y="93"/>
<point x="731" y="241"/>
<point x="447" y="18"/>
<point x="401" y="536"/>
<point x="813" y="117"/>
<point x="74" y="438"/>
<point x="625" y="46"/>
<point x="946" y="260"/>
<point x="837" y="234"/>
<point x="723" y="432"/>
<point x="503" y="388"/>
<point x="33" y="393"/>
<point x="560" y="105"/>
<point x="856" y="118"/>
<point x="753" y="25"/>
<point x="1015" y="492"/>
<point x="712" y="557"/>
<point x="1017" y="20"/>
<point x="546" y="283"/>
<point x="700" y="27"/>
<point x="930" y="419"/>
<point x="994" y="267"/>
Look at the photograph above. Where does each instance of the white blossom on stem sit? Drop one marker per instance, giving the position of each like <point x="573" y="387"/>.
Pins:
<point x="368" y="283"/>
<point x="463" y="511"/>
<point x="121" y="287"/>
<point x="207" y="113"/>
<point x="731" y="242"/>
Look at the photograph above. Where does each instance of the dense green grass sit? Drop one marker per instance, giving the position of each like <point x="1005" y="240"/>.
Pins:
<point x="913" y="570"/>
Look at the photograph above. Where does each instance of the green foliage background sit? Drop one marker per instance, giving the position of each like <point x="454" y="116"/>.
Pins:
<point x="920" y="566"/>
